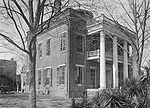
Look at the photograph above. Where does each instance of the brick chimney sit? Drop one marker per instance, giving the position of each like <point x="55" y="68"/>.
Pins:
<point x="57" y="6"/>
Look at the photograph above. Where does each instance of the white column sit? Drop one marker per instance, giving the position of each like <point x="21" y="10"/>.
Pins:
<point x="102" y="61"/>
<point x="115" y="63"/>
<point x="125" y="61"/>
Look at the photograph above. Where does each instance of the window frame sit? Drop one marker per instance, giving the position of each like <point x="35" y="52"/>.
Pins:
<point x="63" y="41"/>
<point x="82" y="44"/>
<point x="50" y="76"/>
<point x="38" y="77"/>
<point x="48" y="47"/>
<point x="60" y="75"/>
<point x="40" y="49"/>
<point x="76" y="77"/>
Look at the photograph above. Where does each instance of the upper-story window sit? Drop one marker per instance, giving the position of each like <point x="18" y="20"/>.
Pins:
<point x="80" y="44"/>
<point x="39" y="77"/>
<point x="48" y="47"/>
<point x="61" y="75"/>
<point x="40" y="50"/>
<point x="79" y="72"/>
<point x="63" y="42"/>
<point x="48" y="76"/>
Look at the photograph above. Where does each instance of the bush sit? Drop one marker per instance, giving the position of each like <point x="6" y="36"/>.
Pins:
<point x="133" y="94"/>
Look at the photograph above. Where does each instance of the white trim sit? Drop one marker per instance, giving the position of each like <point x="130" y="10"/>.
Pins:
<point x="47" y="67"/>
<point x="80" y="65"/>
<point x="62" y="33"/>
<point x="93" y="32"/>
<point x="39" y="42"/>
<point x="62" y="65"/>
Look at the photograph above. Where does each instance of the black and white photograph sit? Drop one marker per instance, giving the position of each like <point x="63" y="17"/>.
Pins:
<point x="74" y="53"/>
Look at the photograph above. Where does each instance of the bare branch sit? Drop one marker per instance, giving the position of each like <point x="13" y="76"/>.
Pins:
<point x="25" y="4"/>
<point x="13" y="43"/>
<point x="22" y="13"/>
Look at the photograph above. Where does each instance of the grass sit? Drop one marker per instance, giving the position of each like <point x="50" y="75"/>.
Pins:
<point x="19" y="100"/>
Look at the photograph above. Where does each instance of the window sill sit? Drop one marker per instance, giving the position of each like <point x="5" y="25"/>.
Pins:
<point x="79" y="85"/>
<point x="48" y="85"/>
<point x="62" y="51"/>
<point x="62" y="85"/>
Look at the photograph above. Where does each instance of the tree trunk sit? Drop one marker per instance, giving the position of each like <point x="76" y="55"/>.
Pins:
<point x="32" y="69"/>
<point x="32" y="87"/>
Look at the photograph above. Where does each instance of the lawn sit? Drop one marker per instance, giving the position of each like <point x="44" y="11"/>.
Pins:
<point x="20" y="100"/>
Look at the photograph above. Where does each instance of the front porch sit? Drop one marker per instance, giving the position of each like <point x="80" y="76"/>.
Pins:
<point x="112" y="55"/>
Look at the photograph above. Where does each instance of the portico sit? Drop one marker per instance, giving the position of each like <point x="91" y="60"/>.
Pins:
<point x="112" y="55"/>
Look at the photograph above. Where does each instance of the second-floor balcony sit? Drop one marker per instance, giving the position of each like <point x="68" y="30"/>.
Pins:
<point x="93" y="55"/>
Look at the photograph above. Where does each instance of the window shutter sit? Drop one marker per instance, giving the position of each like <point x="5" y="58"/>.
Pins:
<point x="44" y="77"/>
<point x="57" y="76"/>
<point x="51" y="73"/>
<point x="75" y="75"/>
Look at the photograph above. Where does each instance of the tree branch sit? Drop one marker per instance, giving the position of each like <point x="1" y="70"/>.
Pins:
<point x="13" y="43"/>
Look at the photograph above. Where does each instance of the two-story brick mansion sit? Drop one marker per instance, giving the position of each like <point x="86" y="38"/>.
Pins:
<point x="80" y="52"/>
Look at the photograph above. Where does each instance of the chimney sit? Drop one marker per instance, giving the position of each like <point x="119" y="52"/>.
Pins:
<point x="57" y="6"/>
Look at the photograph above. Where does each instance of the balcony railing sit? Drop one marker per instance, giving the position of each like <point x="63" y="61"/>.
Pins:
<point x="93" y="54"/>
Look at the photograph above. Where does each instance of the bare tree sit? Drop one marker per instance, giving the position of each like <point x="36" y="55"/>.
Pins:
<point x="135" y="14"/>
<point x="34" y="16"/>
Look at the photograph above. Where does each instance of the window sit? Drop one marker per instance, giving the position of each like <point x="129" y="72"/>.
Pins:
<point x="80" y="43"/>
<point x="93" y="76"/>
<point x="39" y="77"/>
<point x="40" y="50"/>
<point x="48" y="76"/>
<point x="48" y="47"/>
<point x="63" y="42"/>
<point x="61" y="75"/>
<point x="79" y="75"/>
